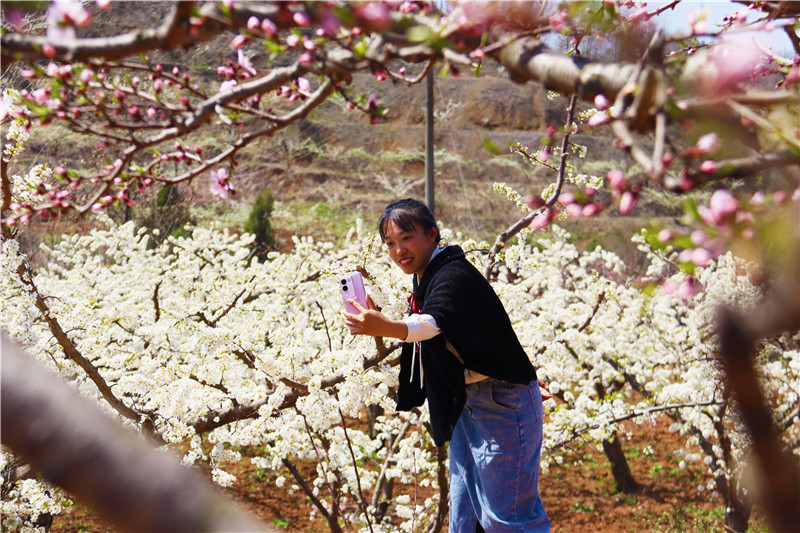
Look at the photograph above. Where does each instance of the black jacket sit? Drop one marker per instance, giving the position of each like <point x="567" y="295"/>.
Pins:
<point x="472" y="318"/>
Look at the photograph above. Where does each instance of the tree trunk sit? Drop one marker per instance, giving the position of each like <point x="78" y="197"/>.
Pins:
<point x="619" y="466"/>
<point x="737" y="506"/>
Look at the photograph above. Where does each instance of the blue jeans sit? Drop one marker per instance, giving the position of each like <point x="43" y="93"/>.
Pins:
<point x="494" y="460"/>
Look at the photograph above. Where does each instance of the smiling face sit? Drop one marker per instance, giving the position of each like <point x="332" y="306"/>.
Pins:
<point x="410" y="250"/>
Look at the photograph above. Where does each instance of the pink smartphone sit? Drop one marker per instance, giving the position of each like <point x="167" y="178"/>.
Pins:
<point x="352" y="287"/>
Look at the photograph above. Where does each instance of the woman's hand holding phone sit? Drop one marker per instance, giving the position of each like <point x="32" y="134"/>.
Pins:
<point x="361" y="315"/>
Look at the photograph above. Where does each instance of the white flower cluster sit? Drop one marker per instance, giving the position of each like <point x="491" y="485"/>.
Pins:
<point x="28" y="499"/>
<point x="191" y="329"/>
<point x="17" y="134"/>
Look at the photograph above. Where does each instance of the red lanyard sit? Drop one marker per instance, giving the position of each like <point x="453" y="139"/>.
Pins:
<point x="413" y="304"/>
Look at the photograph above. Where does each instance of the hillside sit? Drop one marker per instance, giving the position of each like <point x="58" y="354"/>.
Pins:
<point x="334" y="166"/>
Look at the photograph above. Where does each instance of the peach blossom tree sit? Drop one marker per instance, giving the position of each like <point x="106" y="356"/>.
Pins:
<point x="146" y="117"/>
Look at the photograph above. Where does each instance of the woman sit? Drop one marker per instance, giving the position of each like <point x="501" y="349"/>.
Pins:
<point x="462" y="355"/>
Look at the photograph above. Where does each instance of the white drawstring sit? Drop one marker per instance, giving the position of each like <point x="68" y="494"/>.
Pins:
<point x="417" y="347"/>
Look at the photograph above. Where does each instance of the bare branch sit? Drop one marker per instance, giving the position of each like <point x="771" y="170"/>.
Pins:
<point x="221" y="417"/>
<point x="75" y="355"/>
<point x="525" y="221"/>
<point x="78" y="447"/>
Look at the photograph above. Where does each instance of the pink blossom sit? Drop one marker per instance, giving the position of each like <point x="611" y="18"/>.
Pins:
<point x="227" y="85"/>
<point x="5" y="105"/>
<point x="375" y="13"/>
<point x="541" y="220"/>
<point x="669" y="287"/>
<point x="16" y="19"/>
<point x="640" y="15"/>
<point x="699" y="237"/>
<point x="239" y="41"/>
<point x="708" y="166"/>
<point x="533" y="201"/>
<point x="97" y="207"/>
<point x="158" y="85"/>
<point x="49" y="50"/>
<point x="478" y="53"/>
<point x="566" y="198"/>
<point x="617" y="180"/>
<point x="67" y="13"/>
<point x="224" y="70"/>
<point x="778" y="197"/>
<point x="723" y="204"/>
<point x="696" y="21"/>
<point x="688" y="289"/>
<point x="558" y="21"/>
<point x="731" y="64"/>
<point x="685" y="256"/>
<point x="601" y="102"/>
<point x="303" y="85"/>
<point x="627" y="202"/>
<point x="103" y="4"/>
<point x="301" y="19"/>
<point x="665" y="235"/>
<point x="708" y="143"/>
<point x="758" y="198"/>
<point x="40" y="95"/>
<point x="305" y="58"/>
<point x="52" y="70"/>
<point x="543" y="155"/>
<point x="590" y="210"/>
<point x="330" y="24"/>
<point x="253" y="23"/>
<point x="574" y="210"/>
<point x="598" y="119"/>
<point x="245" y="63"/>
<point x="292" y="40"/>
<point x="220" y="186"/>
<point x="268" y="27"/>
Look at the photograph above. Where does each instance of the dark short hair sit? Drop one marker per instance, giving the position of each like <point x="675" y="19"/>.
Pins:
<point x="405" y="213"/>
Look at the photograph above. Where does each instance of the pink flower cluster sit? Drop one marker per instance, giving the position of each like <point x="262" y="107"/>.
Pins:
<point x="220" y="184"/>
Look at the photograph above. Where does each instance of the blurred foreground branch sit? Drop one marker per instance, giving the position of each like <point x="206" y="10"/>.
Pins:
<point x="778" y="485"/>
<point x="111" y="469"/>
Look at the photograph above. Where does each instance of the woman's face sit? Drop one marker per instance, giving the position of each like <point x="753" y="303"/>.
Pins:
<point x="410" y="250"/>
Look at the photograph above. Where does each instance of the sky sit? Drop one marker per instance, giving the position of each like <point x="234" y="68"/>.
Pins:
<point x="675" y="21"/>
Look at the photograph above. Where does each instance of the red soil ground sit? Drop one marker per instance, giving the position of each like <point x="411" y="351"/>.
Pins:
<point x="579" y="496"/>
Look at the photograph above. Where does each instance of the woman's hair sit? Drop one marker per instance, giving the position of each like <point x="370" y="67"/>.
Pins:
<point x="406" y="213"/>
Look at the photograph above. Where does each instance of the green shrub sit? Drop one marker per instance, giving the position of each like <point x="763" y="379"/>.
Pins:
<point x="259" y="224"/>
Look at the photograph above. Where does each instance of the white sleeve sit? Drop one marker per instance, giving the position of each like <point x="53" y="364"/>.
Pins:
<point x="420" y="328"/>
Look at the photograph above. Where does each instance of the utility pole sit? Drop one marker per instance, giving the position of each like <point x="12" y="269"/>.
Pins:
<point x="429" y="199"/>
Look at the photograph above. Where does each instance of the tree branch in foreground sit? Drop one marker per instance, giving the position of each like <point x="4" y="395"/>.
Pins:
<point x="109" y="468"/>
<point x="779" y="487"/>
